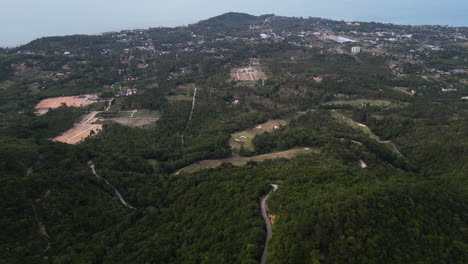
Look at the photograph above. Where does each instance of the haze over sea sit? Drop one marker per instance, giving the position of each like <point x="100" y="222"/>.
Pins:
<point x="25" y="20"/>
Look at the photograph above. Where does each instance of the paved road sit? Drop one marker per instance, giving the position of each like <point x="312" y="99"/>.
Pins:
<point x="267" y="223"/>
<point x="122" y="200"/>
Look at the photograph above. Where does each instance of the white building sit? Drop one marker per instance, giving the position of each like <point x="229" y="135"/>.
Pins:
<point x="355" y="49"/>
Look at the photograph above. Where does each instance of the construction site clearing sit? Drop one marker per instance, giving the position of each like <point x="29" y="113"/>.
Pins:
<point x="247" y="74"/>
<point x="71" y="101"/>
<point x="81" y="130"/>
<point x="92" y="124"/>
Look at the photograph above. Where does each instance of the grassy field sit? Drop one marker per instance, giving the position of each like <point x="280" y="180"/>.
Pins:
<point x="244" y="138"/>
<point x="358" y="102"/>
<point x="241" y="161"/>
<point x="144" y="113"/>
<point x="122" y="114"/>
<point x="5" y="84"/>
<point x="350" y="122"/>
<point x="179" y="98"/>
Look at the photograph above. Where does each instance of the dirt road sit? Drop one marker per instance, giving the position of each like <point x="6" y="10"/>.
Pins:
<point x="190" y="117"/>
<point x="193" y="107"/>
<point x="110" y="104"/>
<point x="241" y="161"/>
<point x="267" y="223"/>
<point x="117" y="193"/>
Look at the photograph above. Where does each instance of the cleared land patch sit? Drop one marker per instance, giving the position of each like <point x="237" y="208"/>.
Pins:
<point x="366" y="130"/>
<point x="241" y="161"/>
<point x="135" y="118"/>
<point x="182" y="92"/>
<point x="244" y="138"/>
<point x="72" y="101"/>
<point x="247" y="74"/>
<point x="135" y="122"/>
<point x="81" y="130"/>
<point x="361" y="102"/>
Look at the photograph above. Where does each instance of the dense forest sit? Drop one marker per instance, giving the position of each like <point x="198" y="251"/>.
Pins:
<point x="381" y="176"/>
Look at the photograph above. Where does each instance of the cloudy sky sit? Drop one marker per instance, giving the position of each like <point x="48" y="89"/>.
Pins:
<point x="24" y="20"/>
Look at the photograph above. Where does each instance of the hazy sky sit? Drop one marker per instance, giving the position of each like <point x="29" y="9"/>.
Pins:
<point x="24" y="20"/>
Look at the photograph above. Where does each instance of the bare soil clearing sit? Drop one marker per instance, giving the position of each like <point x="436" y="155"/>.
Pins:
<point x="244" y="138"/>
<point x="241" y="161"/>
<point x="134" y="118"/>
<point x="81" y="130"/>
<point x="247" y="74"/>
<point x="72" y="101"/>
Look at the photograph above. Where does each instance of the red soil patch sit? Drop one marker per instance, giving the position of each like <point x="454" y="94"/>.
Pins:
<point x="72" y="101"/>
<point x="81" y="130"/>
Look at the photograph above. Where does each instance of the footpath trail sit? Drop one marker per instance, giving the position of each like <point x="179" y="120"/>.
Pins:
<point x="267" y="223"/>
<point x="117" y="193"/>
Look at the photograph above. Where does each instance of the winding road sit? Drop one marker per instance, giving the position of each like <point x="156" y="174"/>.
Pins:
<point x="117" y="193"/>
<point x="267" y="223"/>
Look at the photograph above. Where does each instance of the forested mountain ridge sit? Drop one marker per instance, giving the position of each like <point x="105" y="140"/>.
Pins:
<point x="379" y="110"/>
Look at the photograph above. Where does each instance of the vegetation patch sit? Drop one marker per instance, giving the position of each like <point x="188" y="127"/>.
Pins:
<point x="71" y="101"/>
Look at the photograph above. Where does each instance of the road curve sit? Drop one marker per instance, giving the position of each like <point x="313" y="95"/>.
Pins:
<point x="117" y="193"/>
<point x="267" y="223"/>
